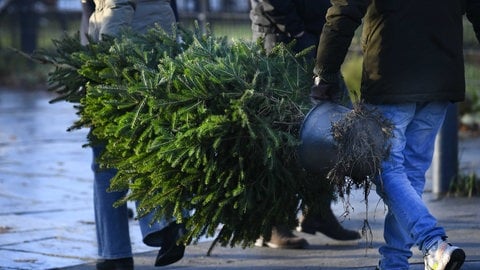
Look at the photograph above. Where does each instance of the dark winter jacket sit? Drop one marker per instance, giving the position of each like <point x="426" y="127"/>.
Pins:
<point x="288" y="16"/>
<point x="413" y="50"/>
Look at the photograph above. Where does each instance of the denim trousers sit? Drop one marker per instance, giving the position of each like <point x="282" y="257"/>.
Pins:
<point x="113" y="237"/>
<point x="408" y="222"/>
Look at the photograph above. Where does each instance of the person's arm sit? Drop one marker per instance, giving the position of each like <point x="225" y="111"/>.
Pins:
<point x="473" y="15"/>
<point x="282" y="13"/>
<point x="343" y="18"/>
<point x="120" y="16"/>
<point x="87" y="9"/>
<point x="342" y="21"/>
<point x="173" y="4"/>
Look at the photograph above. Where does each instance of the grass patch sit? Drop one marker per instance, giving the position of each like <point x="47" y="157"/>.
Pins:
<point x="465" y="186"/>
<point x="352" y="73"/>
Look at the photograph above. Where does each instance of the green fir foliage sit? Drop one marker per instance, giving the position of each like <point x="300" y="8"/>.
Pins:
<point x="203" y="131"/>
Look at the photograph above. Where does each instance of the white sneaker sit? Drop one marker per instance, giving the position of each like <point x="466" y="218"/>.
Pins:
<point x="444" y="256"/>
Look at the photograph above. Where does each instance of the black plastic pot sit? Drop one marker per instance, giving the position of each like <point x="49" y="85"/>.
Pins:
<point x="318" y="151"/>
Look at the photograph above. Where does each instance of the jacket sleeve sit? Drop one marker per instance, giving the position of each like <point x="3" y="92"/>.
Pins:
<point x="118" y="14"/>
<point x="343" y="18"/>
<point x="473" y="15"/>
<point x="283" y="14"/>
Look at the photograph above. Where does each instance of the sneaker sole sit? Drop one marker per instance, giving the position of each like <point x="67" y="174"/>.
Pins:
<point x="309" y="230"/>
<point x="456" y="260"/>
<point x="271" y="245"/>
<point x="262" y="243"/>
<point x="313" y="231"/>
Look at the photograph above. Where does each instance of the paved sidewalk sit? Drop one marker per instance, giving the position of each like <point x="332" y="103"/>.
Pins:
<point x="460" y="216"/>
<point x="46" y="213"/>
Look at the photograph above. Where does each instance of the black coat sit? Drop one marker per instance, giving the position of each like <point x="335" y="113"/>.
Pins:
<point x="413" y="50"/>
<point x="289" y="16"/>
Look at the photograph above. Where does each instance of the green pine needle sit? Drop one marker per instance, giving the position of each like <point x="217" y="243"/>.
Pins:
<point x="208" y="127"/>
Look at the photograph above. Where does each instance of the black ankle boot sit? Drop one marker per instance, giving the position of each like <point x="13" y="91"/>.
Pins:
<point x="116" y="264"/>
<point x="170" y="251"/>
<point x="327" y="224"/>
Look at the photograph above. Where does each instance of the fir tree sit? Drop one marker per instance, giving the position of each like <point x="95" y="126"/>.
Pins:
<point x="207" y="126"/>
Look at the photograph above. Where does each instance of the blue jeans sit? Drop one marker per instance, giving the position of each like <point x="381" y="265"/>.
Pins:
<point x="408" y="221"/>
<point x="111" y="223"/>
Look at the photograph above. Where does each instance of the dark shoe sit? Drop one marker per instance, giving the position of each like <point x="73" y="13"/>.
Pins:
<point x="282" y="237"/>
<point x="116" y="264"/>
<point x="327" y="224"/>
<point x="170" y="251"/>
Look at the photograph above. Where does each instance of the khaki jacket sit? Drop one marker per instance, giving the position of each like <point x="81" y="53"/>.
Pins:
<point x="111" y="16"/>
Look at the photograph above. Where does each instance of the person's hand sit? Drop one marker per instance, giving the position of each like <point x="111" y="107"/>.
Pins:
<point x="325" y="90"/>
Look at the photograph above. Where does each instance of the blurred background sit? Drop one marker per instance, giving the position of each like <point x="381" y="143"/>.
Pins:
<point x="28" y="25"/>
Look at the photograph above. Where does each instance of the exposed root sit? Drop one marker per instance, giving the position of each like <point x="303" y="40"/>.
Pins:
<point x="362" y="138"/>
<point x="363" y="141"/>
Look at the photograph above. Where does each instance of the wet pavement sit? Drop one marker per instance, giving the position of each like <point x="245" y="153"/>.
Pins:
<point x="46" y="213"/>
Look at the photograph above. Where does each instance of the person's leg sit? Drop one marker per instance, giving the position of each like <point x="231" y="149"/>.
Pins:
<point x="418" y="152"/>
<point x="111" y="222"/>
<point x="153" y="232"/>
<point x="323" y="220"/>
<point x="397" y="248"/>
<point x="163" y="234"/>
<point x="403" y="178"/>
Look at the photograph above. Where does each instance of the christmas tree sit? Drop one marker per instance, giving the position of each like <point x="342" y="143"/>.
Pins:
<point x="205" y="126"/>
